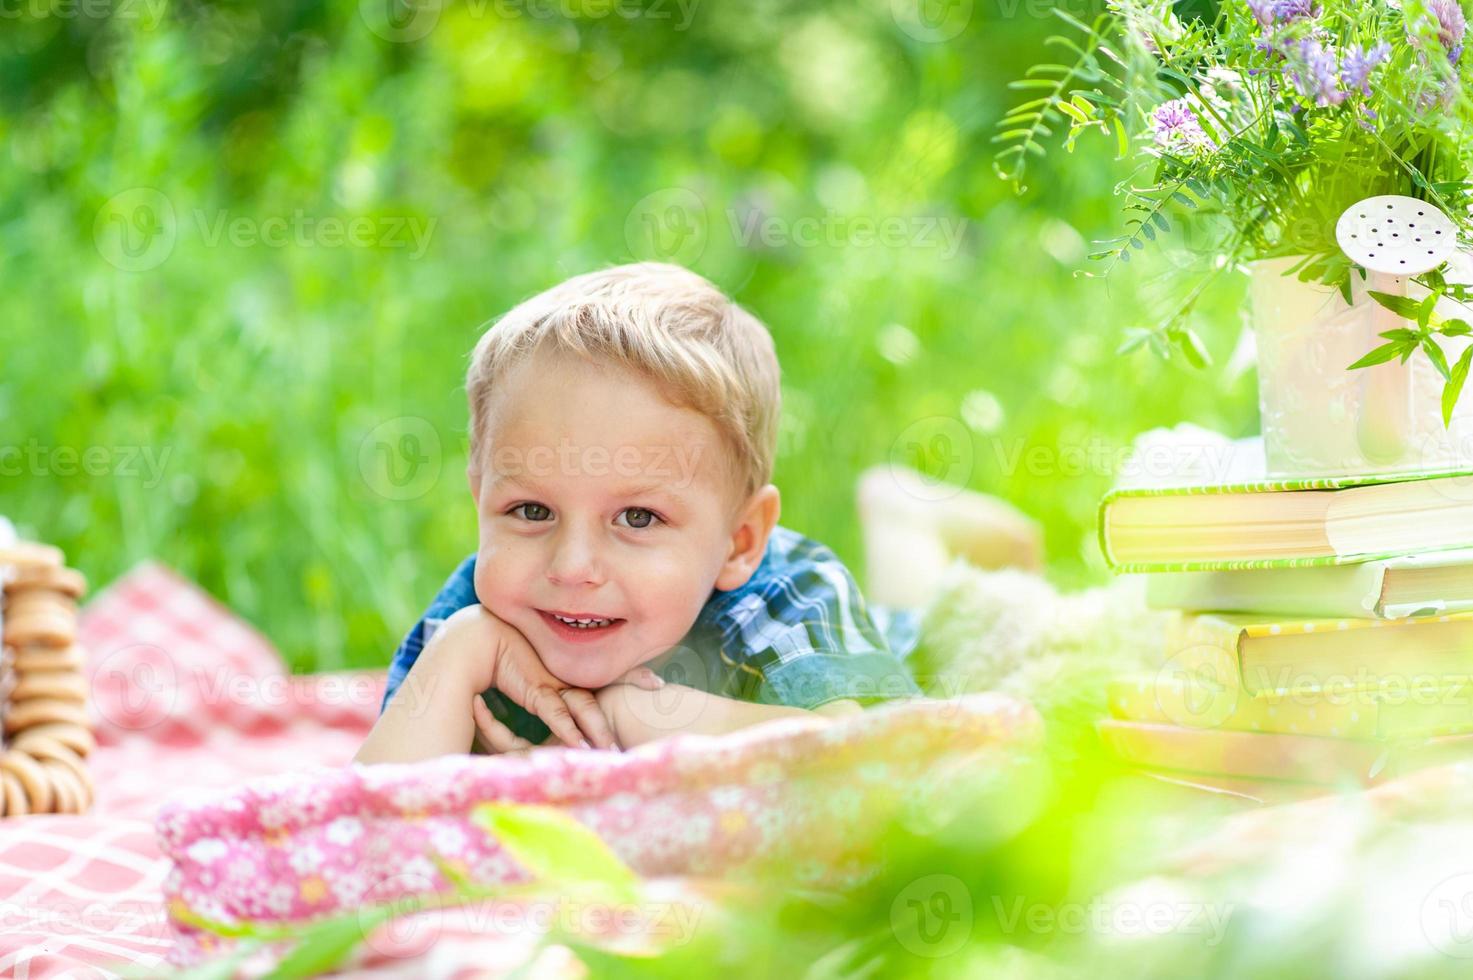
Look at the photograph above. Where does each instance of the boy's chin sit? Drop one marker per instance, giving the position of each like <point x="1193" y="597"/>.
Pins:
<point x="589" y="676"/>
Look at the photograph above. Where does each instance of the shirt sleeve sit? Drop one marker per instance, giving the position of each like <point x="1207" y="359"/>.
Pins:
<point x="458" y="592"/>
<point x="799" y="632"/>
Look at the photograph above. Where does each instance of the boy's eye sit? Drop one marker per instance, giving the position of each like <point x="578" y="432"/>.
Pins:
<point x="532" y="512"/>
<point x="638" y="517"/>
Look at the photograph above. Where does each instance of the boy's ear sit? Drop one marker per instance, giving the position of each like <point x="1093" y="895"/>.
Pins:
<point x="749" y="538"/>
<point x="473" y="477"/>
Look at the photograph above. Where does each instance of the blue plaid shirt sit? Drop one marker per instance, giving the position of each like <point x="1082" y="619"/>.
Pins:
<point x="798" y="633"/>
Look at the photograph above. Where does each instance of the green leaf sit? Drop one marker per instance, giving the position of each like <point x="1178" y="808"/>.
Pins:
<point x="1122" y="139"/>
<point x="1455" y="327"/>
<point x="1135" y="337"/>
<point x="1380" y="355"/>
<point x="1424" y="309"/>
<point x="1084" y="104"/>
<point x="553" y="846"/>
<point x="1192" y="348"/>
<point x="326" y="946"/>
<point x="1400" y="305"/>
<point x="1073" y="112"/>
<point x="1435" y="355"/>
<point x="1401" y="333"/>
<point x="1454" y="386"/>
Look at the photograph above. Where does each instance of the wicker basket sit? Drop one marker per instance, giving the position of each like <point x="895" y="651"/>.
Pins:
<point x="43" y="688"/>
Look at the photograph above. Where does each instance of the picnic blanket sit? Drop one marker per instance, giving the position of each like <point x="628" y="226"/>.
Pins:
<point x="185" y="695"/>
<point x="204" y="739"/>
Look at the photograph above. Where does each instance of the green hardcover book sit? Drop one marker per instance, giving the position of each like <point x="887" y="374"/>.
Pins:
<point x="1282" y="523"/>
<point x="1426" y="584"/>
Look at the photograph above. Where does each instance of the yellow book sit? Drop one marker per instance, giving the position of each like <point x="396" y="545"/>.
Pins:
<point x="1262" y="655"/>
<point x="1379" y="715"/>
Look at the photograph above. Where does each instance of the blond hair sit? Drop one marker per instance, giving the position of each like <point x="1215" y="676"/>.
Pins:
<point x="702" y="351"/>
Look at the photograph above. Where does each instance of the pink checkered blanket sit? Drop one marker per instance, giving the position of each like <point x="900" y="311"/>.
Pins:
<point x="224" y="789"/>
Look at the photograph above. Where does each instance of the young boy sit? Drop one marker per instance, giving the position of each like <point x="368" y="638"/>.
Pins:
<point x="631" y="579"/>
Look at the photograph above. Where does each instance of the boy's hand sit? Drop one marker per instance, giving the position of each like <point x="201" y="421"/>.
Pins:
<point x="499" y="656"/>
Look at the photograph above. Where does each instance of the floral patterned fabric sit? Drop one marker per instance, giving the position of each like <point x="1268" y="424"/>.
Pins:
<point x="303" y="845"/>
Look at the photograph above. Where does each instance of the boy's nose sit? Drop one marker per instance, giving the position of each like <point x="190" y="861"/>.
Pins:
<point x="575" y="561"/>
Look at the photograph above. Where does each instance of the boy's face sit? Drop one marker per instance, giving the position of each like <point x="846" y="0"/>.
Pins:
<point x="599" y="499"/>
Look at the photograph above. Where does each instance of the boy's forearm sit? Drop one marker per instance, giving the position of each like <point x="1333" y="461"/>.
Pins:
<point x="429" y="715"/>
<point x="640" y="716"/>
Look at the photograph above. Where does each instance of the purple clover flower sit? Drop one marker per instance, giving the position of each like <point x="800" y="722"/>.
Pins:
<point x="1452" y="25"/>
<point x="1175" y="127"/>
<point x="1318" y="75"/>
<point x="1271" y="12"/>
<point x="1356" y="66"/>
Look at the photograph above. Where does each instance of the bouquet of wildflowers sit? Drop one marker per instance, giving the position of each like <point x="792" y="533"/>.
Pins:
<point x="1253" y="124"/>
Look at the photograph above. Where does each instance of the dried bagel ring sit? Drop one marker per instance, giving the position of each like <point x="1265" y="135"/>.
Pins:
<point x="43" y="748"/>
<point x="28" y="554"/>
<point x="66" y="792"/>
<point x="17" y="599"/>
<point x="78" y="738"/>
<point x="16" y="804"/>
<point x="49" y="658"/>
<point x="32" y="777"/>
<point x="64" y="685"/>
<point x="39" y="711"/>
<point x="66" y="581"/>
<point x="44" y="627"/>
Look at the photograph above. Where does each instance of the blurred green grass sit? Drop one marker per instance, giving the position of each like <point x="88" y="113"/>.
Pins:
<point x="270" y="368"/>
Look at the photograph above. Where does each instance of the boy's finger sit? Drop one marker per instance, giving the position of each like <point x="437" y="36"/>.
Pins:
<point x="644" y="678"/>
<point x="545" y="703"/>
<point x="590" y="717"/>
<point x="497" y="736"/>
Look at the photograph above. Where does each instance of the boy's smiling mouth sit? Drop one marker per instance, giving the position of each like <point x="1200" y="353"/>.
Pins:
<point x="579" y="626"/>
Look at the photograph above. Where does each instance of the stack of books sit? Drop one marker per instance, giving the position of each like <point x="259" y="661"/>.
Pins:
<point x="1321" y="636"/>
